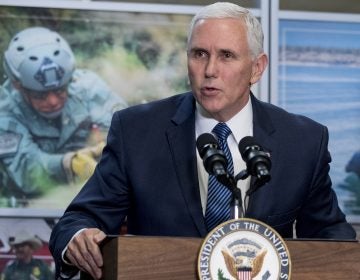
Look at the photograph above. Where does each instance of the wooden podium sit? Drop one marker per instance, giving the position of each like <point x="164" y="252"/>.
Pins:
<point x="169" y="258"/>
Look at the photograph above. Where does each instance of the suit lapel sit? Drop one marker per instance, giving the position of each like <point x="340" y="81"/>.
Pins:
<point x="181" y="138"/>
<point x="263" y="134"/>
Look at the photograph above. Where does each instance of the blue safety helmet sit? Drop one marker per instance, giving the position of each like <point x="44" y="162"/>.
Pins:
<point x="40" y="59"/>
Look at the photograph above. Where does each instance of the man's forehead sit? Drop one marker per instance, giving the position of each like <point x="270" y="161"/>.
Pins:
<point x="219" y="28"/>
<point x="227" y="38"/>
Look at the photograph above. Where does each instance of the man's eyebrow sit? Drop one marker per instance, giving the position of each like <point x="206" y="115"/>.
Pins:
<point x="227" y="51"/>
<point x="198" y="49"/>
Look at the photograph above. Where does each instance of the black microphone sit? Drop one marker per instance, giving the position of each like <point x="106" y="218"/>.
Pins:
<point x="215" y="162"/>
<point x="257" y="160"/>
<point x="214" y="159"/>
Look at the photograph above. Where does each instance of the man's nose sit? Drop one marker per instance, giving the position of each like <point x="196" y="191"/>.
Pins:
<point x="211" y="70"/>
<point x="52" y="97"/>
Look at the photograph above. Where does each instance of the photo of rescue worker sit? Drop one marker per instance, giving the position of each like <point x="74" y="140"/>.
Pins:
<point x="54" y="117"/>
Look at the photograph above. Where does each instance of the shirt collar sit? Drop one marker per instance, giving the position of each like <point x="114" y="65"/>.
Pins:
<point x="241" y="124"/>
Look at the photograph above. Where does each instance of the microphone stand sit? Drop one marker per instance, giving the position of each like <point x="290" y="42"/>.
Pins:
<point x="237" y="210"/>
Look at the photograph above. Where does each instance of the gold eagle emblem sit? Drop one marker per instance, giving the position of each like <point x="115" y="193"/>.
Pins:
<point x="243" y="254"/>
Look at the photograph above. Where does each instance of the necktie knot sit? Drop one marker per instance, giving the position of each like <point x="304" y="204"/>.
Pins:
<point x="222" y="131"/>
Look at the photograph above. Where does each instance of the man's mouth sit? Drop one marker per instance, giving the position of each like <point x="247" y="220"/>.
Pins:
<point x="209" y="90"/>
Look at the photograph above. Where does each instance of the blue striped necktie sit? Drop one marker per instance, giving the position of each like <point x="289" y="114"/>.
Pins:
<point x="219" y="196"/>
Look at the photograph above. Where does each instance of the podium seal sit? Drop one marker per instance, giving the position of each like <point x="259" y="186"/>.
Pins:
<point x="243" y="249"/>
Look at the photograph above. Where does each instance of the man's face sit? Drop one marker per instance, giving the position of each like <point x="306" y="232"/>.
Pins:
<point x="48" y="102"/>
<point x="23" y="252"/>
<point x="220" y="66"/>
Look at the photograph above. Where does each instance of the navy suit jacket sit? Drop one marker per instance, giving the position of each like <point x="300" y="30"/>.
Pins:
<point x="148" y="173"/>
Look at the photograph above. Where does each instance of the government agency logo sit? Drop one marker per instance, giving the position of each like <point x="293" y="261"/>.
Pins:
<point x="243" y="249"/>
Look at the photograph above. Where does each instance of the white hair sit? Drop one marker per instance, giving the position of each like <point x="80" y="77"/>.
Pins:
<point x="221" y="10"/>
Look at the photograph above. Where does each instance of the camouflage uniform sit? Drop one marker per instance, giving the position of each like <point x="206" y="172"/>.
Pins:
<point x="35" y="270"/>
<point x="32" y="147"/>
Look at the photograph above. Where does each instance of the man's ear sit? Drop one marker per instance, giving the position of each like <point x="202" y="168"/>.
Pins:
<point x="16" y="84"/>
<point x="259" y="66"/>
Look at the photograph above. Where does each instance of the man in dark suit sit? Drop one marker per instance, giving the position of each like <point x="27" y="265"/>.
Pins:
<point x="151" y="173"/>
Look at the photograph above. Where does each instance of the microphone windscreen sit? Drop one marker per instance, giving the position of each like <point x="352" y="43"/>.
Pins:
<point x="246" y="142"/>
<point x="204" y="140"/>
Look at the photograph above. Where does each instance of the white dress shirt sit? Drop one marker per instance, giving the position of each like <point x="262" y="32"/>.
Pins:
<point x="241" y="125"/>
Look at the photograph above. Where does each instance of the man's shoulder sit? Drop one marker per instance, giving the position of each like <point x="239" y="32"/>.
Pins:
<point x="87" y="83"/>
<point x="89" y="87"/>
<point x="161" y="107"/>
<point x="7" y="99"/>
<point x="280" y="115"/>
<point x="10" y="265"/>
<point x="156" y="115"/>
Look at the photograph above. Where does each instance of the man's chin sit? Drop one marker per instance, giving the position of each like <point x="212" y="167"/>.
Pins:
<point x="51" y="115"/>
<point x="212" y="108"/>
